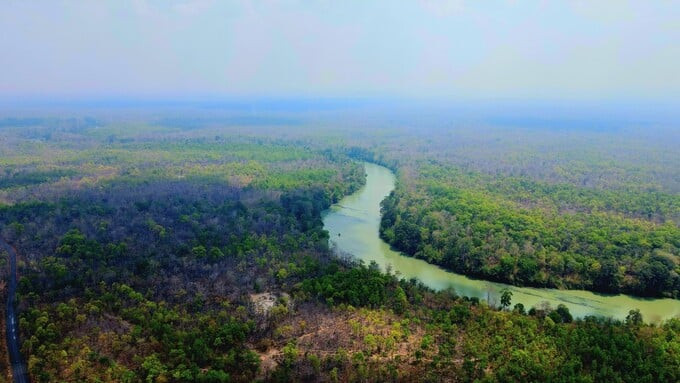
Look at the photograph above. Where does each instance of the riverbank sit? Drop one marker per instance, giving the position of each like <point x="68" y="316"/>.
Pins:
<point x="353" y="225"/>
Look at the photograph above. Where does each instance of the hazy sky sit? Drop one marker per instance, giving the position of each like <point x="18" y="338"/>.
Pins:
<point x="452" y="49"/>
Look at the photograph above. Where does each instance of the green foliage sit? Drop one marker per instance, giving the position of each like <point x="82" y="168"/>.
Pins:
<point x="199" y="252"/>
<point x="358" y="286"/>
<point x="130" y="273"/>
<point x="400" y="300"/>
<point x="290" y="354"/>
<point x="634" y="318"/>
<point x="561" y="314"/>
<point x="506" y="297"/>
<point x="477" y="225"/>
<point x="141" y="247"/>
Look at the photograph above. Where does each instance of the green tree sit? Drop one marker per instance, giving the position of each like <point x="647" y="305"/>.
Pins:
<point x="199" y="252"/>
<point x="400" y="300"/>
<point x="634" y="318"/>
<point x="290" y="354"/>
<point x="561" y="314"/>
<point x="215" y="254"/>
<point x="506" y="298"/>
<point x="154" y="368"/>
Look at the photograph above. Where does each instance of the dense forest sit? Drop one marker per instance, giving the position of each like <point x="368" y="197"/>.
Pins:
<point x="440" y="191"/>
<point x="161" y="252"/>
<point x="540" y="207"/>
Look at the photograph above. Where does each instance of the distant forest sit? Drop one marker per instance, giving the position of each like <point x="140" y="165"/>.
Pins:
<point x="580" y="210"/>
<point x="173" y="249"/>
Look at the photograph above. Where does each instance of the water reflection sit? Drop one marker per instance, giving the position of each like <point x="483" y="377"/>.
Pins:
<point x="353" y="225"/>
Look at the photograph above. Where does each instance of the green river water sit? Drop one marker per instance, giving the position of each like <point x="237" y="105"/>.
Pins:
<point x="353" y="225"/>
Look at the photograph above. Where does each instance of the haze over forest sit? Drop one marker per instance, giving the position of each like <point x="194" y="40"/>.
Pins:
<point x="274" y="191"/>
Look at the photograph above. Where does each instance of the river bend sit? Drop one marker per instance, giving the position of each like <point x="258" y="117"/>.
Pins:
<point x="353" y="225"/>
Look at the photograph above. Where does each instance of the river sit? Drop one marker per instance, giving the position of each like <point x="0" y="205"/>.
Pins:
<point x="353" y="225"/>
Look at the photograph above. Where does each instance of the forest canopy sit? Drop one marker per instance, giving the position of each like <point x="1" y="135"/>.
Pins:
<point x="153" y="252"/>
